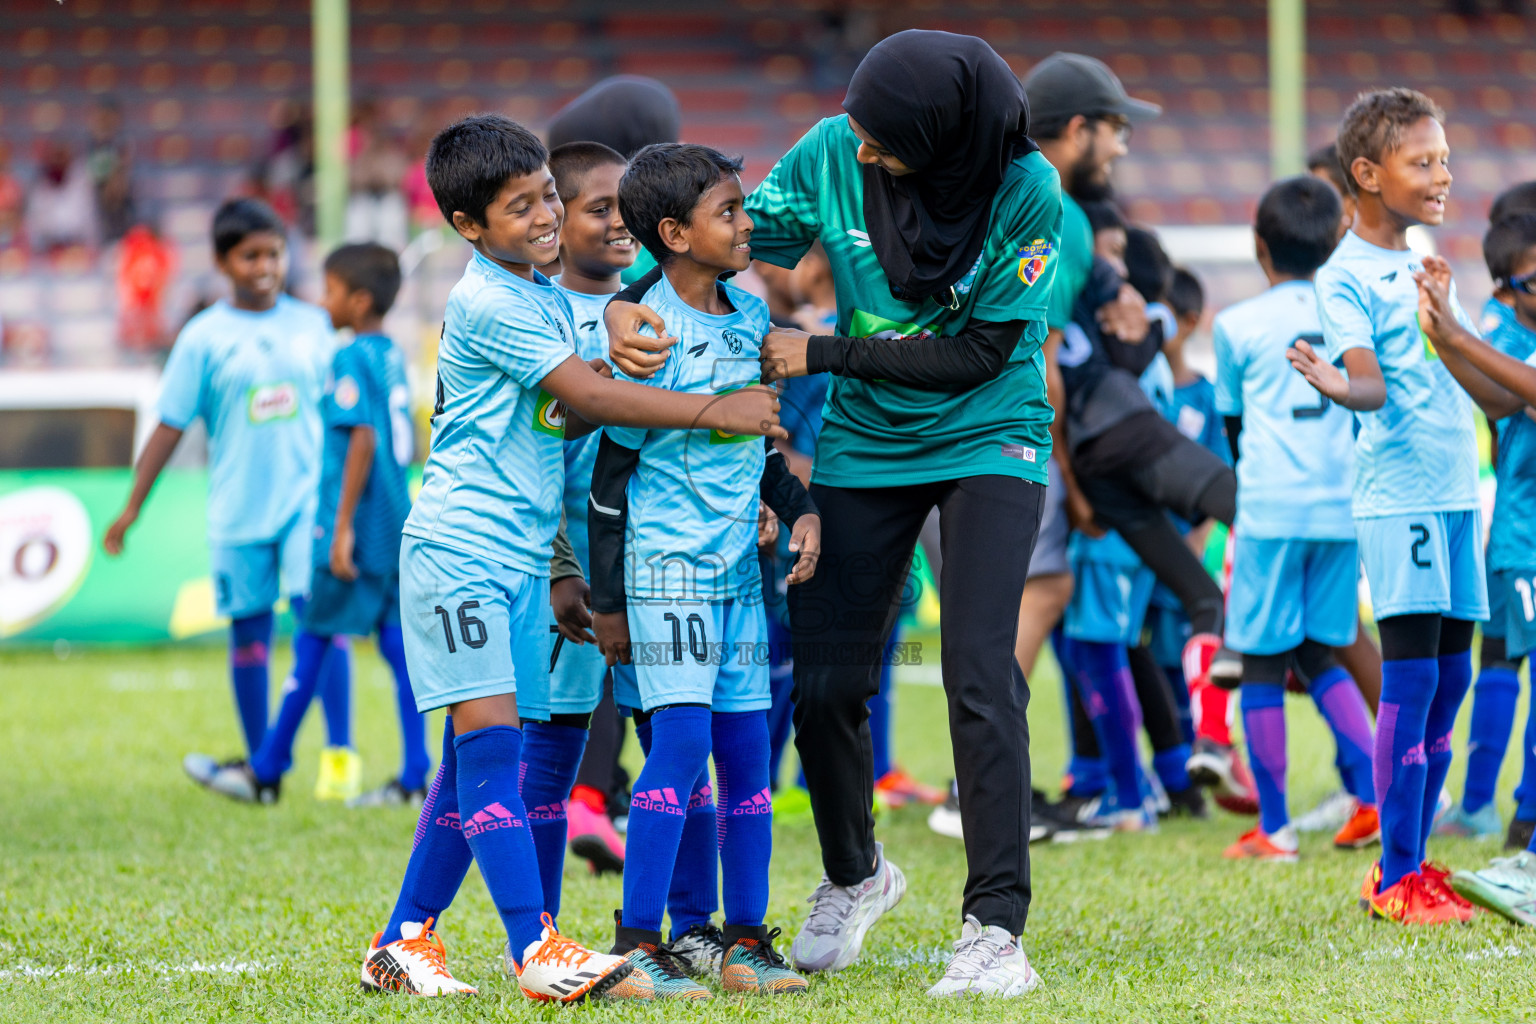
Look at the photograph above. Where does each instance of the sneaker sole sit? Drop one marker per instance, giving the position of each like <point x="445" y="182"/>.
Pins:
<point x="1475" y="892"/>
<point x="1075" y="835"/>
<point x="1014" y="991"/>
<point x="595" y="990"/>
<point x="851" y="951"/>
<point x="592" y="849"/>
<point x="1210" y="772"/>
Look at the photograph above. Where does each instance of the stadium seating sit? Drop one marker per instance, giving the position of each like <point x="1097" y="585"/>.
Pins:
<point x="201" y="82"/>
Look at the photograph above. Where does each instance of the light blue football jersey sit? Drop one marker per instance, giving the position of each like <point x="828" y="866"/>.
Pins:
<point x="366" y="388"/>
<point x="692" y="526"/>
<point x="492" y="482"/>
<point x="1418" y="452"/>
<point x="1194" y="412"/>
<point x="255" y="380"/>
<point x="1512" y="533"/>
<point x="581" y="454"/>
<point x="1296" y="474"/>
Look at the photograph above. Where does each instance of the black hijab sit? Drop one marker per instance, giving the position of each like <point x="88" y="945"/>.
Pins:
<point x="625" y="112"/>
<point x="952" y="110"/>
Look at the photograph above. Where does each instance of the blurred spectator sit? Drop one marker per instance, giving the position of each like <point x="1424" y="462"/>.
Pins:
<point x="425" y="216"/>
<point x="286" y="175"/>
<point x="61" y="207"/>
<point x="146" y="265"/>
<point x="376" y="170"/>
<point x="111" y="171"/>
<point x="13" y="201"/>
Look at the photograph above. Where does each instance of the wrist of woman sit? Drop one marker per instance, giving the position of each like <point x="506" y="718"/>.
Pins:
<point x="820" y="351"/>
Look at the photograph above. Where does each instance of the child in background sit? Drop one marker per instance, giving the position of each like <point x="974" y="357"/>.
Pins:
<point x="1415" y="500"/>
<point x="1323" y="164"/>
<point x="364" y="499"/>
<point x="253" y="368"/>
<point x="1497" y="688"/>
<point x="1294" y="567"/>
<point x="475" y="559"/>
<point x="674" y="534"/>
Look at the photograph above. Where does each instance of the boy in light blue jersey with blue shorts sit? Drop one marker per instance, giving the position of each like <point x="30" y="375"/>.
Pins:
<point x="475" y="561"/>
<point x="1415" y="499"/>
<point x="1295" y="564"/>
<point x="677" y="589"/>
<point x="252" y="368"/>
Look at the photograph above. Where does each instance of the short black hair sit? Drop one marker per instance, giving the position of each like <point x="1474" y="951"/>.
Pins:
<point x="1147" y="266"/>
<point x="368" y="267"/>
<point x="1326" y="159"/>
<point x="667" y="180"/>
<point x="572" y="162"/>
<point x="1298" y="219"/>
<point x="237" y="219"/>
<point x="1507" y="240"/>
<point x="1186" y="295"/>
<point x="470" y="161"/>
<point x="1103" y="215"/>
<point x="1519" y="198"/>
<point x="1373" y="126"/>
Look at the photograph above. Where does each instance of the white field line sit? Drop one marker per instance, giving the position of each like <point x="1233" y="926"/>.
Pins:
<point x="34" y="972"/>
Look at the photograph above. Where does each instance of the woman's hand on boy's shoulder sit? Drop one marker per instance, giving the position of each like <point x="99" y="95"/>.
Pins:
<point x="805" y="542"/>
<point x="784" y="354"/>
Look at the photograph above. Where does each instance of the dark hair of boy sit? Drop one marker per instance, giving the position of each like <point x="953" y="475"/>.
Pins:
<point x="667" y="180"/>
<point x="1298" y="219"/>
<point x="1326" y="159"/>
<point x="237" y="219"/>
<point x="368" y="267"/>
<point x="1102" y="215"/>
<point x="1373" y="125"/>
<point x="1519" y="198"/>
<point x="470" y="161"/>
<point x="1186" y="295"/>
<point x="1509" y="239"/>
<point x="1147" y="266"/>
<point x="572" y="162"/>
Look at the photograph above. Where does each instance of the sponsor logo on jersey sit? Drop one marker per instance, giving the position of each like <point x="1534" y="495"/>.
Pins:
<point x="719" y="436"/>
<point x="732" y="341"/>
<point x="347" y="393"/>
<point x="549" y="415"/>
<point x="860" y="238"/>
<point x="1033" y="258"/>
<point x="267" y="402"/>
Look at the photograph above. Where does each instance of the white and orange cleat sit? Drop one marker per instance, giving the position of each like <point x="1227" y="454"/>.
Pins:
<point x="1361" y="830"/>
<point x="415" y="964"/>
<point x="1280" y="848"/>
<point x="556" y="969"/>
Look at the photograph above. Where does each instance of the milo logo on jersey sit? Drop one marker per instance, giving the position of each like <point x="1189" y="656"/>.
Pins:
<point x="267" y="402"/>
<point x="720" y="436"/>
<point x="1032" y="260"/>
<point x="549" y="415"/>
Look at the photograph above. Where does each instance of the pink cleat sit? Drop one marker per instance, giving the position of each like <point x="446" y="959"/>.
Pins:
<point x="591" y="837"/>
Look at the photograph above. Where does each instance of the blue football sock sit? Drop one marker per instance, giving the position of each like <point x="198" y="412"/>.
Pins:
<point x="1089" y="777"/>
<point x="415" y="763"/>
<point x="1172" y="767"/>
<point x="1398" y="761"/>
<point x="336" y="693"/>
<point x="745" y="814"/>
<point x="1104" y="681"/>
<point x="680" y="743"/>
<point x="1494" y="696"/>
<point x="275" y="755"/>
<point x="1175" y="674"/>
<point x="496" y="828"/>
<point x="694" y="895"/>
<point x="1455" y="679"/>
<point x="250" y="644"/>
<point x="1525" y="793"/>
<point x="439" y="855"/>
<point x="1338" y="700"/>
<point x="1264" y="732"/>
<point x="551" y="756"/>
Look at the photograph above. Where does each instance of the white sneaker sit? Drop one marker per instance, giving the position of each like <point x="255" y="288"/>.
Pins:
<point x="555" y="969"/>
<point x="945" y="818"/>
<point x="833" y="935"/>
<point x="414" y="964"/>
<point x="987" y="962"/>
<point x="1328" y="816"/>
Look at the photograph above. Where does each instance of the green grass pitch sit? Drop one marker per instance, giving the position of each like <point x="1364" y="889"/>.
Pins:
<point x="129" y="895"/>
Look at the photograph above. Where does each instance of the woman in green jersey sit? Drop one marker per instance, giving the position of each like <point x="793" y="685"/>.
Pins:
<point x="941" y="221"/>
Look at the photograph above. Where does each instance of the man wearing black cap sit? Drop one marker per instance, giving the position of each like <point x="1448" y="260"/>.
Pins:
<point x="1120" y="462"/>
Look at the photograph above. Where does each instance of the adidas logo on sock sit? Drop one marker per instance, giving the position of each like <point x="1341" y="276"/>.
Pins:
<point x="702" y="798"/>
<point x="1442" y="745"/>
<point x="489" y="818"/>
<point x="450" y="820"/>
<point x="1415" y="755"/>
<point x="662" y="801"/>
<point x="761" y="803"/>
<point x="548" y="812"/>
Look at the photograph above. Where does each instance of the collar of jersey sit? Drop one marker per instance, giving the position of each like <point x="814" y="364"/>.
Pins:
<point x="503" y="274"/>
<point x="707" y="319"/>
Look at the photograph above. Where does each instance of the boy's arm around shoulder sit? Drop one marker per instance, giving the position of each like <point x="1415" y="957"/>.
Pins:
<point x="607" y="518"/>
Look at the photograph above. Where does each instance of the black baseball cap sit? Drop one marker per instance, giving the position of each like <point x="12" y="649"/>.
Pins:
<point x="1067" y="84"/>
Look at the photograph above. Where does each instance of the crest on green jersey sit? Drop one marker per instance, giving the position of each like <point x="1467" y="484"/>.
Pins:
<point x="549" y="415"/>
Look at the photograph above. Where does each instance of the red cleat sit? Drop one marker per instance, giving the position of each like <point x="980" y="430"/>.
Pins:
<point x="1361" y="830"/>
<point x="897" y="789"/>
<point x="1415" y="899"/>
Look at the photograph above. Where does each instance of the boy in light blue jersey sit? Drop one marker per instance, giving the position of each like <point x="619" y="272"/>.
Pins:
<point x="1497" y="688"/>
<point x="364" y="499"/>
<point x="252" y="368"/>
<point x="677" y="589"/>
<point x="475" y="561"/>
<point x="1505" y="387"/>
<point x="1415" y="500"/>
<point x="1295" y="563"/>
